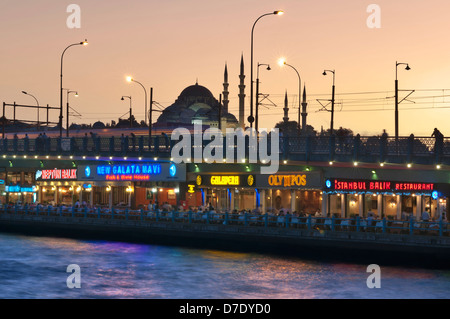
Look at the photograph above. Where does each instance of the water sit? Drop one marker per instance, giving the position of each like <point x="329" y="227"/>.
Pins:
<point x="35" y="267"/>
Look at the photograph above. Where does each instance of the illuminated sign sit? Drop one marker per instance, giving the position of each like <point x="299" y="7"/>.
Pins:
<point x="129" y="171"/>
<point x="56" y="174"/>
<point x="290" y="180"/>
<point x="225" y="180"/>
<point x="378" y="186"/>
<point x="20" y="189"/>
<point x="191" y="188"/>
<point x="287" y="180"/>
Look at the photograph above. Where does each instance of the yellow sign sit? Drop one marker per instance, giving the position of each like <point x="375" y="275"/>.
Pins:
<point x="250" y="180"/>
<point x="198" y="180"/>
<point x="225" y="180"/>
<point x="191" y="188"/>
<point x="287" y="180"/>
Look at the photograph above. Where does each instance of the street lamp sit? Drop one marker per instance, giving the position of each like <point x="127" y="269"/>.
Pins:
<point x="332" y="98"/>
<point x="84" y="43"/>
<point x="396" y="95"/>
<point x="257" y="93"/>
<point x="129" y="97"/>
<point x="130" y="79"/>
<point x="67" y="109"/>
<point x="37" y="103"/>
<point x="251" y="118"/>
<point x="282" y="62"/>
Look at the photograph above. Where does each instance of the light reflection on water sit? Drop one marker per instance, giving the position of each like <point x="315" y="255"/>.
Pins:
<point x="35" y="267"/>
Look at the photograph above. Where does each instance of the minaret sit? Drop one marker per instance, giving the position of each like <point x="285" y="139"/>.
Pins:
<point x="286" y="109"/>
<point x="225" y="91"/>
<point x="304" y="113"/>
<point x="241" y="95"/>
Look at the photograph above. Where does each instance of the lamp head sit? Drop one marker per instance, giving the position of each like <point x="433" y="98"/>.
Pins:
<point x="324" y="73"/>
<point x="407" y="67"/>
<point x="85" y="42"/>
<point x="122" y="98"/>
<point x="24" y="92"/>
<point x="268" y="68"/>
<point x="281" y="61"/>
<point x="76" y="94"/>
<point x="129" y="79"/>
<point x="278" y="12"/>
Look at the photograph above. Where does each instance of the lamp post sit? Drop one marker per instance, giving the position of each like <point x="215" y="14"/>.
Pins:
<point x="129" y="97"/>
<point x="332" y="99"/>
<point x="396" y="95"/>
<point x="37" y="103"/>
<point x="283" y="62"/>
<point x="67" y="111"/>
<point x="251" y="118"/>
<point x="257" y="94"/>
<point x="84" y="43"/>
<point x="130" y="79"/>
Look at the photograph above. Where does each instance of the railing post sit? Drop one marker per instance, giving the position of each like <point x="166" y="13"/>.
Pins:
<point x="98" y="212"/>
<point x="173" y="216"/>
<point x="226" y="218"/>
<point x="48" y="211"/>
<point x="73" y="211"/>
<point x="142" y="214"/>
<point x="126" y="213"/>
<point x="266" y="220"/>
<point x="60" y="211"/>
<point x="112" y="212"/>
<point x="111" y="145"/>
<point x="411" y="225"/>
<point x="157" y="215"/>
<point x="332" y="223"/>
<point x="207" y="217"/>
<point x="357" y="223"/>
<point x="85" y="212"/>
<point x="384" y="224"/>
<point x="190" y="217"/>
<point x="440" y="227"/>
<point x="309" y="222"/>
<point x="26" y="210"/>
<point x="286" y="220"/>
<point x="15" y="209"/>
<point x="356" y="147"/>
<point x="332" y="147"/>
<point x="245" y="219"/>
<point x="37" y="210"/>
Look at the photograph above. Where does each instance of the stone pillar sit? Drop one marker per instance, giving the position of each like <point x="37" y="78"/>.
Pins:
<point x="418" y="207"/>
<point x="361" y="198"/>
<point x="262" y="196"/>
<point x="343" y="205"/>
<point x="399" y="206"/>
<point x="292" y="200"/>
<point x="325" y="208"/>
<point x="380" y="206"/>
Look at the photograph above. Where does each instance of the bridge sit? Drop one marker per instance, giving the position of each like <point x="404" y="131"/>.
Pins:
<point x="364" y="149"/>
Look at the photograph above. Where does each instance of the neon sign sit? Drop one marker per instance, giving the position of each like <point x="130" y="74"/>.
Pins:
<point x="376" y="186"/>
<point x="128" y="172"/>
<point x="56" y="174"/>
<point x="287" y="180"/>
<point x="20" y="189"/>
<point x="225" y="180"/>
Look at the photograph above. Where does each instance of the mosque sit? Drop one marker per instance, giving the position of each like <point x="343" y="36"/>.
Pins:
<point x="196" y="104"/>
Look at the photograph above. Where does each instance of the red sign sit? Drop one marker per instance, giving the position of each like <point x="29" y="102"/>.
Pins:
<point x="57" y="174"/>
<point x="374" y="186"/>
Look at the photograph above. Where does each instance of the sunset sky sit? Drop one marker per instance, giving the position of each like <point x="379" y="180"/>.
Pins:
<point x="170" y="44"/>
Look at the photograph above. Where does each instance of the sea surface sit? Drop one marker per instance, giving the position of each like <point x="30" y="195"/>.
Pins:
<point x="36" y="267"/>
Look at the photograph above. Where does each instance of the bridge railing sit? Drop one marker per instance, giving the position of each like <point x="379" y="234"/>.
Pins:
<point x="420" y="150"/>
<point x="320" y="224"/>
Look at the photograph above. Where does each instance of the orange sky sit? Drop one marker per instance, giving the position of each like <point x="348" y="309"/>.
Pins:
<point x="168" y="44"/>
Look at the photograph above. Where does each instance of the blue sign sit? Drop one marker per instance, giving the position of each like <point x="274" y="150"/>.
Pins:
<point x="328" y="183"/>
<point x="87" y="171"/>
<point x="173" y="170"/>
<point x="435" y="195"/>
